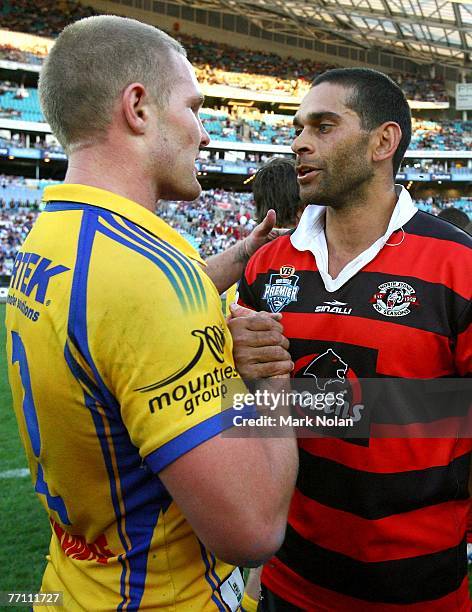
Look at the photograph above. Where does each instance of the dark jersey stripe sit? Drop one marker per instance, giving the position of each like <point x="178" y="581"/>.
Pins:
<point x="374" y="496"/>
<point x="403" y="581"/>
<point x="386" y="456"/>
<point x="387" y="538"/>
<point x="309" y="596"/>
<point x="425" y="224"/>
<point x="358" y="295"/>
<point x="415" y="354"/>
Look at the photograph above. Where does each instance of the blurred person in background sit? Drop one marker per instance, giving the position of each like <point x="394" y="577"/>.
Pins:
<point x="456" y="216"/>
<point x="275" y="186"/>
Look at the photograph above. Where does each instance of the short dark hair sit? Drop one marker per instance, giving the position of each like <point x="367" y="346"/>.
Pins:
<point x="275" y="186"/>
<point x="376" y="99"/>
<point x="456" y="216"/>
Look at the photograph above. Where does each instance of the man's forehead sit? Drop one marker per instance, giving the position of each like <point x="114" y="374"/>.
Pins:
<point x="184" y="76"/>
<point x="325" y="97"/>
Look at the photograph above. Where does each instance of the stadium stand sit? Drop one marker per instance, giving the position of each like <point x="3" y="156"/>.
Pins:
<point x="442" y="136"/>
<point x="19" y="102"/>
<point x="41" y="17"/>
<point x="212" y="223"/>
<point x="224" y="64"/>
<point x="251" y="125"/>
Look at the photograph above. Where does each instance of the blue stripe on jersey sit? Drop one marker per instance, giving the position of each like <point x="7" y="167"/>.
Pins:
<point x="212" y="567"/>
<point x="173" y="264"/>
<point x="143" y="499"/>
<point x="88" y="208"/>
<point x="213" y="586"/>
<point x="81" y="375"/>
<point x="183" y="297"/>
<point x="172" y="450"/>
<point x="102" y="438"/>
<point x="188" y="266"/>
<point x="77" y="324"/>
<point x="60" y="206"/>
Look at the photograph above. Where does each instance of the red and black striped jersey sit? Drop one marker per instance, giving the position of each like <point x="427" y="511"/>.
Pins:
<point x="377" y="524"/>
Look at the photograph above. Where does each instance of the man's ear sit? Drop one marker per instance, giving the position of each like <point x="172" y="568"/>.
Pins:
<point x="135" y="105"/>
<point x="386" y="141"/>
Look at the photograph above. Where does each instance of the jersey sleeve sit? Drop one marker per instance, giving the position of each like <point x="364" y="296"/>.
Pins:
<point x="166" y="358"/>
<point x="246" y="296"/>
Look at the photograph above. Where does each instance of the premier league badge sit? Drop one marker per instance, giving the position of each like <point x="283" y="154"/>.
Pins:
<point x="282" y="289"/>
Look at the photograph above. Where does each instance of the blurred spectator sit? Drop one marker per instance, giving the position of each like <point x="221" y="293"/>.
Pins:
<point x="456" y="216"/>
<point x="275" y="186"/>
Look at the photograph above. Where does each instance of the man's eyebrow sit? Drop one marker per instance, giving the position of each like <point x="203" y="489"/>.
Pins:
<point x="315" y="117"/>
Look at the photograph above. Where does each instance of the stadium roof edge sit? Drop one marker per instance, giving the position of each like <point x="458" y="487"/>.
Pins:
<point x="423" y="31"/>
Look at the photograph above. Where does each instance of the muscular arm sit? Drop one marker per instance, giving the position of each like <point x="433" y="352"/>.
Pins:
<point x="235" y="492"/>
<point x="226" y="268"/>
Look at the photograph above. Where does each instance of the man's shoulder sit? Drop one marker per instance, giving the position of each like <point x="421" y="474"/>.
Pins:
<point x="263" y="256"/>
<point x="427" y="225"/>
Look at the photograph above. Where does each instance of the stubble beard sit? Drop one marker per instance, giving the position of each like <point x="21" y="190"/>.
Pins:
<point x="344" y="181"/>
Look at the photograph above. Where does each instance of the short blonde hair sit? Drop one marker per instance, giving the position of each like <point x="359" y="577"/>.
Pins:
<point x="89" y="66"/>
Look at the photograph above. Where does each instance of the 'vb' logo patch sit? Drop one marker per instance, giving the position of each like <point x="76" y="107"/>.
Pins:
<point x="282" y="289"/>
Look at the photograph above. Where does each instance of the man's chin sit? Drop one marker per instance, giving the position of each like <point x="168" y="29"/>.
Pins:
<point x="186" y="193"/>
<point x="311" y="197"/>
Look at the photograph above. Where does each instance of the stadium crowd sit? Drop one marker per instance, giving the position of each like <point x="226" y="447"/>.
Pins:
<point x="41" y="17"/>
<point x="216" y="64"/>
<point x="212" y="223"/>
<point x="241" y="124"/>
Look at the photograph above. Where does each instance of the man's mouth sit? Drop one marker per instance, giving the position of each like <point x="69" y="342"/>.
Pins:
<point x="306" y="173"/>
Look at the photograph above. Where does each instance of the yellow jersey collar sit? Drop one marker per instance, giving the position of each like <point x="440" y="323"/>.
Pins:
<point x="134" y="212"/>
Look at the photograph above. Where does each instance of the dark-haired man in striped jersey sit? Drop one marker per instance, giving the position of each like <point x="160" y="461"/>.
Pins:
<point x="369" y="287"/>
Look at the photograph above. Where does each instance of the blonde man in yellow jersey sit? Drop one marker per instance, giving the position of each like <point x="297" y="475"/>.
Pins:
<point x="118" y="348"/>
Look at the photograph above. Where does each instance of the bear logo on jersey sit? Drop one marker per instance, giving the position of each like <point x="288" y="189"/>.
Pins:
<point x="326" y="369"/>
<point x="394" y="299"/>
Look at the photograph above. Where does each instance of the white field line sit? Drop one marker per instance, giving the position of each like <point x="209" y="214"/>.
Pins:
<point x="19" y="473"/>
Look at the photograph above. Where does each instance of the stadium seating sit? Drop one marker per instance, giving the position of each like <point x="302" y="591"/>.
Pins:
<point x="224" y="64"/>
<point x="26" y="108"/>
<point x="212" y="223"/>
<point x="262" y="128"/>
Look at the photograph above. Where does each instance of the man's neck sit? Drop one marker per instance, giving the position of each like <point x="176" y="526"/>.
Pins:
<point x="108" y="169"/>
<point x="353" y="229"/>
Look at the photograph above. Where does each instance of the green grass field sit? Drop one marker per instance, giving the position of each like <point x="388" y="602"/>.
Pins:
<point x="24" y="528"/>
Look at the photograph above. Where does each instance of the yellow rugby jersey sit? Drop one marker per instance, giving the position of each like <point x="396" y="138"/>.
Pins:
<point x="117" y="350"/>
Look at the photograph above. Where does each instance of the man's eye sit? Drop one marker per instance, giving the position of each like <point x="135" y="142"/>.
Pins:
<point x="298" y="131"/>
<point x="325" y="127"/>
